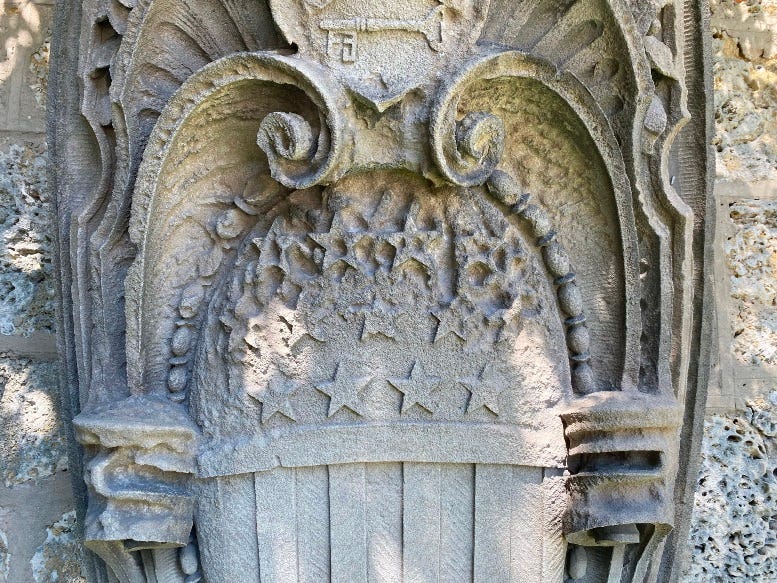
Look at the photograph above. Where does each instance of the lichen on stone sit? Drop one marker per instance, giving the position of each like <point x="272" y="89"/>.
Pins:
<point x="32" y="444"/>
<point x="751" y="258"/>
<point x="26" y="289"/>
<point x="734" y="528"/>
<point x="59" y="557"/>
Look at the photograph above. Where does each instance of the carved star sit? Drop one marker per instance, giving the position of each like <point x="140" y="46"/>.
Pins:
<point x="485" y="390"/>
<point x="269" y="250"/>
<point x="414" y="243"/>
<point x="478" y="265"/>
<point x="278" y="328"/>
<point x="385" y="252"/>
<point x="449" y="322"/>
<point x="452" y="320"/>
<point x="296" y="331"/>
<point x="337" y="244"/>
<point x="274" y="396"/>
<point x="286" y="243"/>
<point x="417" y="389"/>
<point x="480" y="249"/>
<point x="323" y="317"/>
<point x="380" y="319"/>
<point x="343" y="391"/>
<point x="384" y="209"/>
<point x="505" y="320"/>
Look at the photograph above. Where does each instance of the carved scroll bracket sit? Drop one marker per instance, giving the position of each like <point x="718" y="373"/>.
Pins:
<point x="467" y="144"/>
<point x="297" y="157"/>
<point x="139" y="479"/>
<point x="622" y="466"/>
<point x="305" y="145"/>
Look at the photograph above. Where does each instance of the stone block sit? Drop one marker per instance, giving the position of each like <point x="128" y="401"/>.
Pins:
<point x="745" y="82"/>
<point x="733" y="533"/>
<point x="5" y="557"/>
<point x="751" y="261"/>
<point x="752" y="24"/>
<point x="26" y="289"/>
<point x="25" y="32"/>
<point x="59" y="557"/>
<point x="37" y="535"/>
<point x="32" y="445"/>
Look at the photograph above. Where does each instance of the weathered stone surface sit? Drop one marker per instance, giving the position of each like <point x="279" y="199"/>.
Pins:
<point x="752" y="24"/>
<point x="746" y="126"/>
<point x="26" y="289"/>
<point x="33" y="489"/>
<point x="32" y="444"/>
<point x="39" y="71"/>
<point x="59" y="557"/>
<point x="25" y="29"/>
<point x="751" y="258"/>
<point x="27" y="509"/>
<point x="745" y="72"/>
<point x="734" y="530"/>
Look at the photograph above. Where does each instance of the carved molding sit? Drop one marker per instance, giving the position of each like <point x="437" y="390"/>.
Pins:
<point x="139" y="478"/>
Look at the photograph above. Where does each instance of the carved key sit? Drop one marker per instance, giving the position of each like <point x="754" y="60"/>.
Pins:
<point x="348" y="29"/>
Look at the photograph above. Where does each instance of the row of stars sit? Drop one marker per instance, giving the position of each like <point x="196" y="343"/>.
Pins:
<point x="343" y="391"/>
<point x="338" y="245"/>
<point x="380" y="318"/>
<point x="412" y="244"/>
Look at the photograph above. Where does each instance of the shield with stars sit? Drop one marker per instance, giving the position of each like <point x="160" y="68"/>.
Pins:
<point x="372" y="307"/>
<point x="388" y="344"/>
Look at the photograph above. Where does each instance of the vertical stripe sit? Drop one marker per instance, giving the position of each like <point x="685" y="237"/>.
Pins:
<point x="649" y="563"/>
<point x="226" y="511"/>
<point x="421" y="523"/>
<point x="312" y="489"/>
<point x="149" y="565"/>
<point x="457" y="524"/>
<point x="348" y="523"/>
<point x="276" y="525"/>
<point x="384" y="523"/>
<point x="554" y="545"/>
<point x="527" y="528"/>
<point x="616" y="564"/>
<point x="493" y="528"/>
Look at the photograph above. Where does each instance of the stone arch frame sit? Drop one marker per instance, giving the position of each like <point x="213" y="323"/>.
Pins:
<point x="663" y="145"/>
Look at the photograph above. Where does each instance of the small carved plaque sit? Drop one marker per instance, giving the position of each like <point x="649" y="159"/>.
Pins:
<point x="394" y="48"/>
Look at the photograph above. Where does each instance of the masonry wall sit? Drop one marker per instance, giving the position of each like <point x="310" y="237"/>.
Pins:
<point x="734" y="534"/>
<point x="36" y="507"/>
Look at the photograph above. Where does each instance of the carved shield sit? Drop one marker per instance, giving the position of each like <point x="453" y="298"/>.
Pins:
<point x="412" y="293"/>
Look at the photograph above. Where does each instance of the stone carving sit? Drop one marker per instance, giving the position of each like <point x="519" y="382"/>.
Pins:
<point x="413" y="291"/>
